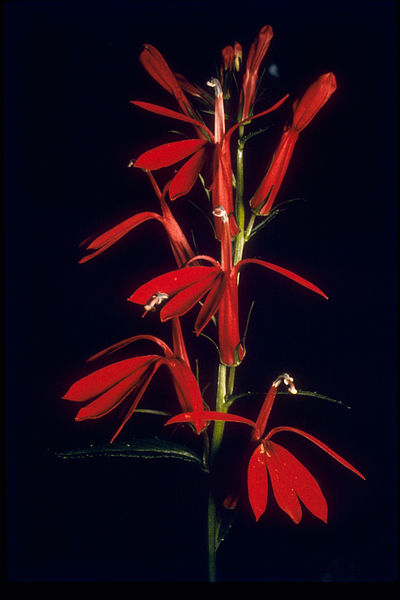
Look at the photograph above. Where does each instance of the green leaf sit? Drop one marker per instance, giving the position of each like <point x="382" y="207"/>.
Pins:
<point x="145" y="448"/>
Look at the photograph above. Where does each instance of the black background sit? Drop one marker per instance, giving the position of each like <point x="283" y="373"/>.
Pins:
<point x="70" y="70"/>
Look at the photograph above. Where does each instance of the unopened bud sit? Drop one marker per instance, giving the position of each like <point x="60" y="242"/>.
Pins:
<point x="238" y="54"/>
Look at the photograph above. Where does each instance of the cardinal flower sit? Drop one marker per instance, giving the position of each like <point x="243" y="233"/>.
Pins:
<point x="304" y="110"/>
<point x="179" y="245"/>
<point x="108" y="387"/>
<point x="291" y="481"/>
<point x="181" y="289"/>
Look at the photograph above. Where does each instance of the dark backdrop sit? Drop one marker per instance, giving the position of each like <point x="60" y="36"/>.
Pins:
<point x="70" y="70"/>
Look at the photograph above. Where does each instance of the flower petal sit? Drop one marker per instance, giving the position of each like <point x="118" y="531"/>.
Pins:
<point x="304" y="484"/>
<point x="109" y="237"/>
<point x="257" y="482"/>
<point x="268" y="189"/>
<point x="282" y="271"/>
<point x="187" y="175"/>
<point x="170" y="283"/>
<point x="168" y="154"/>
<point x="209" y="415"/>
<point x="103" y="379"/>
<point x="211" y="303"/>
<point x="126" y="342"/>
<point x="187" y="390"/>
<point x="166" y="112"/>
<point x="306" y="107"/>
<point x="184" y="300"/>
<point x="321" y="445"/>
<point x="284" y="493"/>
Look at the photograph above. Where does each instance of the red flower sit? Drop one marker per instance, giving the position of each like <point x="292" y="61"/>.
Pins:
<point x="108" y="387"/>
<point x="178" y="242"/>
<point x="256" y="54"/>
<point x="291" y="481"/>
<point x="304" y="110"/>
<point x="181" y="289"/>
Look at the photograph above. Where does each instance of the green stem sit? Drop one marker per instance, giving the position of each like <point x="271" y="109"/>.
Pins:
<point x="220" y="406"/>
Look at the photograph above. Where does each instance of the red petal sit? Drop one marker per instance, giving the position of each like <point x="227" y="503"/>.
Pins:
<point x="184" y="300"/>
<point x="211" y="303"/>
<point x="228" y="324"/>
<point x="209" y="415"/>
<point x="187" y="175"/>
<point x="265" y="411"/>
<point x="127" y="341"/>
<point x="108" y="238"/>
<point x="166" y="112"/>
<point x="187" y="390"/>
<point x="318" y="442"/>
<point x="257" y="482"/>
<point x="282" y="271"/>
<point x="304" y="484"/>
<point x="269" y="187"/>
<point x="103" y="379"/>
<point x="144" y="385"/>
<point x="284" y="493"/>
<point x="170" y="283"/>
<point x="168" y="154"/>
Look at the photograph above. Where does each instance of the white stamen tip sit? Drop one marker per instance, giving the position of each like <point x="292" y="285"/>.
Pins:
<point x="221" y="213"/>
<point x="287" y="380"/>
<point x="214" y="82"/>
<point x="155" y="300"/>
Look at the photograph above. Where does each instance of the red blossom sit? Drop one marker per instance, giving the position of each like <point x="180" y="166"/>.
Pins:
<point x="106" y="388"/>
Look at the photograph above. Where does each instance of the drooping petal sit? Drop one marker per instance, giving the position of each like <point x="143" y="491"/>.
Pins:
<point x="168" y="154"/>
<point x="187" y="175"/>
<point x="123" y="343"/>
<point x="211" y="303"/>
<point x="113" y="397"/>
<point x="170" y="283"/>
<point x="109" y="237"/>
<point x="185" y="299"/>
<point x="103" y="379"/>
<point x="144" y="385"/>
<point x="282" y="487"/>
<point x="257" y="481"/>
<point x="166" y="112"/>
<point x="321" y="445"/>
<point x="303" y="483"/>
<point x="209" y="415"/>
<point x="289" y="274"/>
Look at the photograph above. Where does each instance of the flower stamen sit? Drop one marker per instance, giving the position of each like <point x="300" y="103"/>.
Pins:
<point x="220" y="212"/>
<point x="154" y="301"/>
<point x="287" y="380"/>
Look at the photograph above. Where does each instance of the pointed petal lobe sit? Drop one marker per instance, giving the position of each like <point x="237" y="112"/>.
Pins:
<point x="257" y="482"/>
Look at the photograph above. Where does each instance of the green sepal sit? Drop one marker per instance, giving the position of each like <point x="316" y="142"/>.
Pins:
<point x="140" y="448"/>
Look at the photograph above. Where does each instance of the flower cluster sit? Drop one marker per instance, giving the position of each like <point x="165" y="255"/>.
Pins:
<point x="208" y="283"/>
